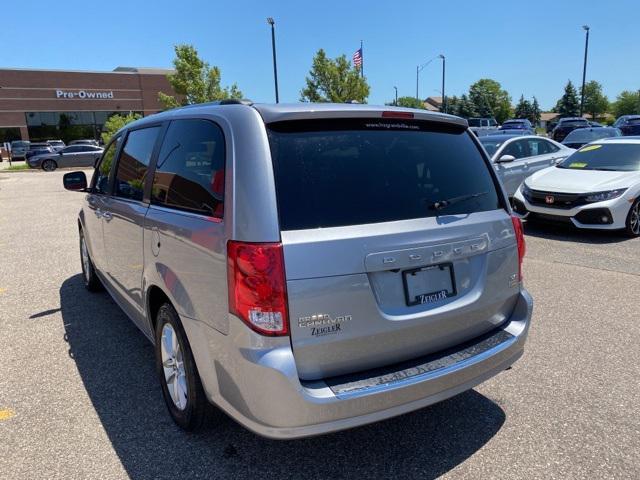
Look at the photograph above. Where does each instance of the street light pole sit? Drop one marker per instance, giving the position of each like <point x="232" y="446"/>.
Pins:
<point x="271" y="22"/>
<point x="444" y="98"/>
<point x="396" y="102"/>
<point x="584" y="68"/>
<point x="419" y="68"/>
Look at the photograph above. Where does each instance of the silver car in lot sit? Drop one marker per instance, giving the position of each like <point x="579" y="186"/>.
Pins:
<point x="70" y="156"/>
<point x="516" y="157"/>
<point x="307" y="268"/>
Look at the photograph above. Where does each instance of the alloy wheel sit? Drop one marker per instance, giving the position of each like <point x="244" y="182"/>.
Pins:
<point x="173" y="366"/>
<point x="634" y="219"/>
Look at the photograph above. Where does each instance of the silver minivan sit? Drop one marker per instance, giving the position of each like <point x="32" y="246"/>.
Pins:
<point x="307" y="268"/>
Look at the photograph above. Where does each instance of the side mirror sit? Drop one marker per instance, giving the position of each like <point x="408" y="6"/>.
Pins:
<point x="75" y="181"/>
<point x="506" y="159"/>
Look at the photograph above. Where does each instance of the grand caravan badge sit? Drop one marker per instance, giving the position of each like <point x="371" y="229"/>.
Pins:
<point x="323" y="324"/>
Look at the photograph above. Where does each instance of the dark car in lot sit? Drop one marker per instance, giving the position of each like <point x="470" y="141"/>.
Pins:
<point x="518" y="125"/>
<point x="37" y="149"/>
<point x="628" y="124"/>
<point x="581" y="136"/>
<point x="568" y="125"/>
<point x="71" y="156"/>
<point x="19" y="149"/>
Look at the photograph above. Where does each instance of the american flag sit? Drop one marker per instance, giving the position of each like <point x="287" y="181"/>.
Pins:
<point x="357" y="58"/>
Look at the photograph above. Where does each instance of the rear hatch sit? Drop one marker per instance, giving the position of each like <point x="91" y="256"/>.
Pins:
<point x="396" y="241"/>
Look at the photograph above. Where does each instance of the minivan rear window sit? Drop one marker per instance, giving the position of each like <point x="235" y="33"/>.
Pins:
<point x="332" y="173"/>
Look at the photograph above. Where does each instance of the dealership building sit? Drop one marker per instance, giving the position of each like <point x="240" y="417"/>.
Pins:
<point x="39" y="105"/>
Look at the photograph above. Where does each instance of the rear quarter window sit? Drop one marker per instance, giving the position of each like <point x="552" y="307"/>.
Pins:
<point x="350" y="172"/>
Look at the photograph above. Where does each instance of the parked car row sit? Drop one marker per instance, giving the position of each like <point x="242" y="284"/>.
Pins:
<point x="25" y="149"/>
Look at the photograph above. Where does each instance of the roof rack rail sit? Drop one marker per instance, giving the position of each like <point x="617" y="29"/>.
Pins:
<point x="233" y="101"/>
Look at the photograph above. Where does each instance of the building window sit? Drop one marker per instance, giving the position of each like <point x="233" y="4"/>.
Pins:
<point x="67" y="126"/>
<point x="9" y="134"/>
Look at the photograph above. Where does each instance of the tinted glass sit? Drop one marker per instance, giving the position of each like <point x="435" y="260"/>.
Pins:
<point x="540" y="147"/>
<point x="574" y="123"/>
<point x="491" y="146"/>
<point x="634" y="121"/>
<point x="612" y="156"/>
<point x="101" y="174"/>
<point x="134" y="162"/>
<point x="350" y="172"/>
<point x="519" y="149"/>
<point x="588" y="135"/>
<point x="190" y="169"/>
<point x="474" y="122"/>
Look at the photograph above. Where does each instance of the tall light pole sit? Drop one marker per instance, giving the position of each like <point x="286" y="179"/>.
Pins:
<point x="584" y="68"/>
<point x="271" y="22"/>
<point x="396" y="102"/>
<point x="444" y="98"/>
<point x="419" y="68"/>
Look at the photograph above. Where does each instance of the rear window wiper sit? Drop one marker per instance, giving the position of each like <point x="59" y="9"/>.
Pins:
<point x="442" y="204"/>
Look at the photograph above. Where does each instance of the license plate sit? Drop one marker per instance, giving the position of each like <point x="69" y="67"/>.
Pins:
<point x="429" y="284"/>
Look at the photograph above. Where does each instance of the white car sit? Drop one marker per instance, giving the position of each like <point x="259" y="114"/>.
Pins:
<point x="515" y="157"/>
<point x="596" y="187"/>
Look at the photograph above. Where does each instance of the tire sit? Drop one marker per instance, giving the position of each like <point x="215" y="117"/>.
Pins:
<point x="632" y="227"/>
<point x="184" y="396"/>
<point x="49" y="165"/>
<point x="91" y="280"/>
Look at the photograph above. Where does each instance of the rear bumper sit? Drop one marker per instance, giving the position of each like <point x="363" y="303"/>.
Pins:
<point x="254" y="379"/>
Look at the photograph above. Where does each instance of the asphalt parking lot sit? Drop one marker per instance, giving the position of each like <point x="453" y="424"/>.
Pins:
<point x="79" y="396"/>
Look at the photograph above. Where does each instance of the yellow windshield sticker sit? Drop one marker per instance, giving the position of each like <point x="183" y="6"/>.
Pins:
<point x="577" y="165"/>
<point x="589" y="148"/>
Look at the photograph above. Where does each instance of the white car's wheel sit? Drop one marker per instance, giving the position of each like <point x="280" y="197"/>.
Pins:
<point x="633" y="219"/>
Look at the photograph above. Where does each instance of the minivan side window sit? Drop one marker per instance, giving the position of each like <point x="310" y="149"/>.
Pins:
<point x="101" y="175"/>
<point x="189" y="173"/>
<point x="134" y="163"/>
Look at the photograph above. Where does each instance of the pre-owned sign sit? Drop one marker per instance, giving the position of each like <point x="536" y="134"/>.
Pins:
<point x="83" y="94"/>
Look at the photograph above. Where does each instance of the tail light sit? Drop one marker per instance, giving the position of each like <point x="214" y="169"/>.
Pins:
<point x="519" y="232"/>
<point x="396" y="114"/>
<point x="257" y="288"/>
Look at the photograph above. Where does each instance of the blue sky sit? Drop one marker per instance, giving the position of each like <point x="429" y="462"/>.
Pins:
<point x="531" y="48"/>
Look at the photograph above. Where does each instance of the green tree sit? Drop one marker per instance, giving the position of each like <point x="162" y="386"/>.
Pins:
<point x="195" y="81"/>
<point x="627" y="103"/>
<point x="466" y="108"/>
<point x="409" y="102"/>
<point x="523" y="109"/>
<point x="490" y="100"/>
<point x="334" y="80"/>
<point x="568" y="105"/>
<point x="536" y="113"/>
<point x="115" y="123"/>
<point x="595" y="102"/>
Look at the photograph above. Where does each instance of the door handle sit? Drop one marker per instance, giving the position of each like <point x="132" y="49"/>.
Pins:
<point x="106" y="215"/>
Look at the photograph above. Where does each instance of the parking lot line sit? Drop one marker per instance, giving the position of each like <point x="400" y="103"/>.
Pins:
<point x="6" y="414"/>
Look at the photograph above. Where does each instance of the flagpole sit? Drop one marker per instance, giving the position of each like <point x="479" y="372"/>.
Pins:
<point x="362" y="60"/>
